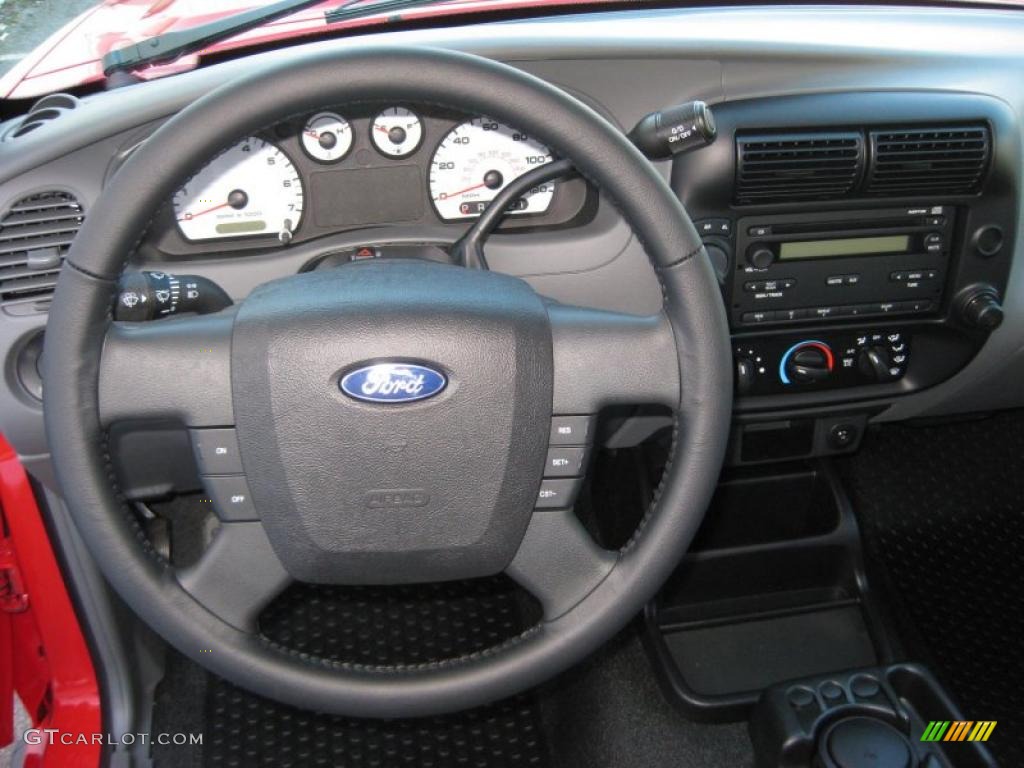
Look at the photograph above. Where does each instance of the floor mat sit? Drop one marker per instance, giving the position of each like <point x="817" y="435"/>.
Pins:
<point x="370" y="625"/>
<point x="942" y="513"/>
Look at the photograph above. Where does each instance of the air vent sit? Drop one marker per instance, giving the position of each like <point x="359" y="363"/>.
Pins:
<point x="797" y="166"/>
<point x="35" y="235"/>
<point x="928" y="161"/>
<point x="45" y="110"/>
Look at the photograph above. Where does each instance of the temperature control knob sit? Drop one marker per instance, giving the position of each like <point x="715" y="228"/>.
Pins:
<point x="806" y="362"/>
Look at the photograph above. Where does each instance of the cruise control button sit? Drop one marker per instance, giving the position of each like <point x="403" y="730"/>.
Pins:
<point x="557" y="494"/>
<point x="570" y="430"/>
<point x="565" y="461"/>
<point x="231" y="499"/>
<point x="216" y="451"/>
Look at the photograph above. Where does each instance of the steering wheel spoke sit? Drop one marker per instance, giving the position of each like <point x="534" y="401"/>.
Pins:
<point x="178" y="368"/>
<point x="611" y="358"/>
<point x="237" y="575"/>
<point x="558" y="562"/>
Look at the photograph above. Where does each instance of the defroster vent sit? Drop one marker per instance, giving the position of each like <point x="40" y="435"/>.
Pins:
<point x="35" y="235"/>
<point x="797" y="166"/>
<point x="928" y="161"/>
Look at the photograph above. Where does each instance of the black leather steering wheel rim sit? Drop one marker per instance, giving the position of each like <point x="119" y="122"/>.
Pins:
<point x="81" y="317"/>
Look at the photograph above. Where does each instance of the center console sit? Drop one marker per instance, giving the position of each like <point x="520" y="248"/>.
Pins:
<point x="863" y="243"/>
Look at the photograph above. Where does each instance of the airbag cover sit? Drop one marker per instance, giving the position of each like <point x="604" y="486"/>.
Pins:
<point x="356" y="491"/>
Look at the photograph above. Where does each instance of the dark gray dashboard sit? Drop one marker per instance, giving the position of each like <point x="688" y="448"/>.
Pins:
<point x="626" y="65"/>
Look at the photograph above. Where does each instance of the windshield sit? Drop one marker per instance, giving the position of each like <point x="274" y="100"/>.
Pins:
<point x="24" y="24"/>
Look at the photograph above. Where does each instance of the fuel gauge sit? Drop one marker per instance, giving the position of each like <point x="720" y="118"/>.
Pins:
<point x="396" y="132"/>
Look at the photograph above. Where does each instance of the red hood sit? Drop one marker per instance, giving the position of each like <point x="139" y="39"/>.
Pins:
<point x="73" y="55"/>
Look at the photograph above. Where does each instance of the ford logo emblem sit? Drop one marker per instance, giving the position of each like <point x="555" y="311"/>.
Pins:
<point x="393" y="383"/>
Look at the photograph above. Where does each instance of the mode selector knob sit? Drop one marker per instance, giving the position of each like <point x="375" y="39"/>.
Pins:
<point x="805" y="362"/>
<point x="875" y="362"/>
<point x="760" y="256"/>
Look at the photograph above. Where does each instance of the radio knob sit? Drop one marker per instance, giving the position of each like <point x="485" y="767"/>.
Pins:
<point x="980" y="308"/>
<point x="806" y="362"/>
<point x="760" y="256"/>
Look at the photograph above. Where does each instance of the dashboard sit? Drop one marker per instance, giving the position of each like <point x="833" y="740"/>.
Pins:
<point x="852" y="298"/>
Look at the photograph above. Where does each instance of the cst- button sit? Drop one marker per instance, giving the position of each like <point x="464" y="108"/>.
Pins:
<point x="557" y="493"/>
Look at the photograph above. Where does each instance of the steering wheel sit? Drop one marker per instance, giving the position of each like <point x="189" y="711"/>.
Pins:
<point x="350" y="491"/>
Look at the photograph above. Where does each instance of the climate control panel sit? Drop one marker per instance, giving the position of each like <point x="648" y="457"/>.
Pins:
<point x="776" y="365"/>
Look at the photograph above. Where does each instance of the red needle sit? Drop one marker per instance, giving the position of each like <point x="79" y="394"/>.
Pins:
<point x="445" y="196"/>
<point x="208" y="210"/>
<point x="382" y="129"/>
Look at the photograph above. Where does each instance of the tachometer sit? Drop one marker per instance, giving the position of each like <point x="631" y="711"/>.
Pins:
<point x="250" y="189"/>
<point x="476" y="160"/>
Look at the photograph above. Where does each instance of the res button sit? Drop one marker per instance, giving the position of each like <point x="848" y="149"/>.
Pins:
<point x="570" y="430"/>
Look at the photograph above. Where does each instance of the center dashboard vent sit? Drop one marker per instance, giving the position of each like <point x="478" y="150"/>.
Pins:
<point x="928" y="160"/>
<point x="798" y="166"/>
<point x="35" y="236"/>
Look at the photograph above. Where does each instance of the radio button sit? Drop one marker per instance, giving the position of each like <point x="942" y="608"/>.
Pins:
<point x="851" y="279"/>
<point x="916" y="306"/>
<point x="823" y="312"/>
<point x="789" y="315"/>
<point x="758" y="317"/>
<point x="753" y="285"/>
<point x="897" y="277"/>
<point x="759" y="231"/>
<point x="787" y="283"/>
<point x="835" y="279"/>
<point x="887" y="307"/>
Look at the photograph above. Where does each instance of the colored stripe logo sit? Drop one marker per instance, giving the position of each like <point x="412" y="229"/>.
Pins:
<point x="958" y="730"/>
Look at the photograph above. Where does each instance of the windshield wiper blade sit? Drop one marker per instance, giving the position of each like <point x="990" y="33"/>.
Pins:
<point x="176" y="44"/>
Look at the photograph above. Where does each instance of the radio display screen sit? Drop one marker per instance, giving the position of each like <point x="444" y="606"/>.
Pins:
<point x="847" y="246"/>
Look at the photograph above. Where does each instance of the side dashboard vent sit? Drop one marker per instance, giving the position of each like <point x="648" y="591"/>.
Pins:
<point x="797" y="166"/>
<point x="35" y="235"/>
<point x="928" y="160"/>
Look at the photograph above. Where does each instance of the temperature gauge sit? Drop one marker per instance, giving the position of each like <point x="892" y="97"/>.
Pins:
<point x="327" y="137"/>
<point x="396" y="132"/>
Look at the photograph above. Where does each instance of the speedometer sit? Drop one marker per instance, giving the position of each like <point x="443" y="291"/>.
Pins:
<point x="251" y="188"/>
<point x="476" y="160"/>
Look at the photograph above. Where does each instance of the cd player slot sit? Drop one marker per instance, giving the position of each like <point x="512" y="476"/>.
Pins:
<point x="838" y="228"/>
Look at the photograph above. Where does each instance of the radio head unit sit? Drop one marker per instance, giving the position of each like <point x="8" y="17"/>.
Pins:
<point x="840" y="264"/>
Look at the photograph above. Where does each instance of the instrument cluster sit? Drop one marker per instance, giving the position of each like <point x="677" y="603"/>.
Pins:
<point x="339" y="170"/>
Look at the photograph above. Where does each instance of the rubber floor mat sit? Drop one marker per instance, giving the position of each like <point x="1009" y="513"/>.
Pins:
<point x="368" y="625"/>
<point x="942" y="513"/>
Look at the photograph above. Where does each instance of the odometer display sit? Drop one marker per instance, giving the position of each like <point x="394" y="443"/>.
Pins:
<point x="476" y="160"/>
<point x="250" y="189"/>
